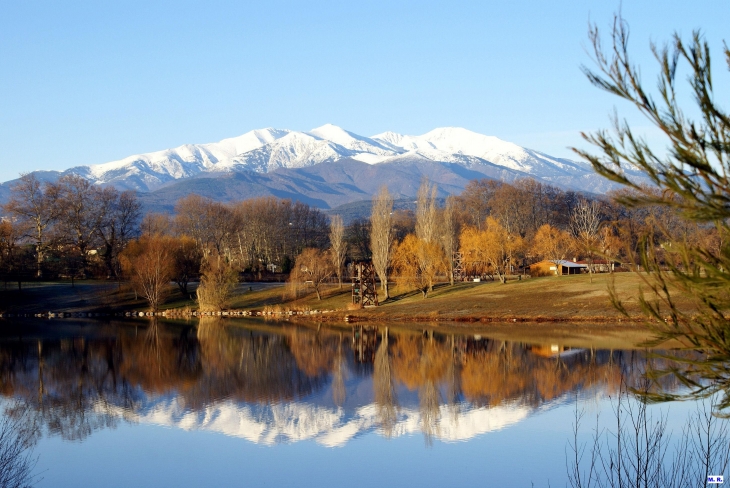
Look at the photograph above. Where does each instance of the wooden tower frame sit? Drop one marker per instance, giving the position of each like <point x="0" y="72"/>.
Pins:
<point x="364" y="292"/>
<point x="458" y="263"/>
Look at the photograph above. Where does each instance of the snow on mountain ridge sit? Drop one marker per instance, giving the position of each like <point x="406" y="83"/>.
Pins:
<point x="350" y="140"/>
<point x="294" y="150"/>
<point x="266" y="150"/>
<point x="332" y="427"/>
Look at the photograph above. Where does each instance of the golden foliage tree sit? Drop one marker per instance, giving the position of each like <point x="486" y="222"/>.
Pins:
<point x="418" y="262"/>
<point x="552" y="244"/>
<point x="492" y="249"/>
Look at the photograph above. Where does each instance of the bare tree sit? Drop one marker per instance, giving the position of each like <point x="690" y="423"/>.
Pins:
<point x="585" y="222"/>
<point x="82" y="211"/>
<point x="212" y="224"/>
<point x="274" y="231"/>
<point x="9" y="240"/>
<point x="475" y="200"/>
<point x="381" y="235"/>
<point x="312" y="267"/>
<point x="187" y="258"/>
<point x="338" y="246"/>
<point x="119" y="224"/>
<point x="426" y="212"/>
<point x="34" y="205"/>
<point x="358" y="239"/>
<point x="638" y="452"/>
<point x="18" y="433"/>
<point x="156" y="224"/>
<point x="148" y="262"/>
<point x="448" y="234"/>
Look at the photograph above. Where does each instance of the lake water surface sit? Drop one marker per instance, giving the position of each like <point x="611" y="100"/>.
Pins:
<point x="253" y="403"/>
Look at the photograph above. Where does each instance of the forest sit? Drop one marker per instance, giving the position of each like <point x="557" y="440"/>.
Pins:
<point x="72" y="230"/>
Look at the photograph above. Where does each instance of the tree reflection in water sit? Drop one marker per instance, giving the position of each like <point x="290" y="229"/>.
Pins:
<point x="75" y="384"/>
<point x="339" y="374"/>
<point x="383" y="387"/>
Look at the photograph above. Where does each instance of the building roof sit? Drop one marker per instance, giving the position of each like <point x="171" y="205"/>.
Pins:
<point x="564" y="262"/>
<point x="569" y="264"/>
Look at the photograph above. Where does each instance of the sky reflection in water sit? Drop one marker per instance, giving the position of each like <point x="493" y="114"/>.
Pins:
<point x="261" y="404"/>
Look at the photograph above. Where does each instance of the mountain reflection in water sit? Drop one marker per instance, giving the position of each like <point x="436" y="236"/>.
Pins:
<point x="284" y="383"/>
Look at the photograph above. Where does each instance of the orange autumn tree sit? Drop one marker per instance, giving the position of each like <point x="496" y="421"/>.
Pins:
<point x="552" y="244"/>
<point x="417" y="263"/>
<point x="491" y="249"/>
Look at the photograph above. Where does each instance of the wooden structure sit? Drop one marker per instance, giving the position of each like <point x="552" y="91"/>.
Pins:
<point x="458" y="261"/>
<point x="556" y="268"/>
<point x="364" y="292"/>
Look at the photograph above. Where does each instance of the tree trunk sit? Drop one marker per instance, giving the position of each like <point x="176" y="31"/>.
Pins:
<point x="39" y="261"/>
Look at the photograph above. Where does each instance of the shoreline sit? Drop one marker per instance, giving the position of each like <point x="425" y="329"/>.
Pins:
<point x="574" y="300"/>
<point x="346" y="316"/>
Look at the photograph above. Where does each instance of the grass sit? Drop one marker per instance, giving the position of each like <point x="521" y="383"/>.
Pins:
<point x="563" y="298"/>
<point x="555" y="298"/>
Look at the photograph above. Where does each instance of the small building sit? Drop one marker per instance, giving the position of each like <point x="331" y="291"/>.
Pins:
<point x="601" y="265"/>
<point x="553" y="268"/>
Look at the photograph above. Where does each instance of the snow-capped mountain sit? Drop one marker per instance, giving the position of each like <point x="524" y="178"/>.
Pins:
<point x="263" y="151"/>
<point x="271" y="424"/>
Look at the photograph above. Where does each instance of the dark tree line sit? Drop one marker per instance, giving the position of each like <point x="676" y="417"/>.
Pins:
<point x="68" y="228"/>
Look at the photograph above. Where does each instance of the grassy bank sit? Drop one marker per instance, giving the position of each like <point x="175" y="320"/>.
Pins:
<point x="565" y="298"/>
<point x="572" y="298"/>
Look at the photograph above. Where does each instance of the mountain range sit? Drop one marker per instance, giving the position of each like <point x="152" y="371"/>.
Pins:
<point x="329" y="166"/>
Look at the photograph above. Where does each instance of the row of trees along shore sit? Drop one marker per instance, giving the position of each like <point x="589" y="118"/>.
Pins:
<point x="73" y="229"/>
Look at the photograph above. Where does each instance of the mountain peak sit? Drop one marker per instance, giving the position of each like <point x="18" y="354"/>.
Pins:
<point x="270" y="149"/>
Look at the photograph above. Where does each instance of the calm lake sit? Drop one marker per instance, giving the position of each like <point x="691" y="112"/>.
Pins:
<point x="254" y="403"/>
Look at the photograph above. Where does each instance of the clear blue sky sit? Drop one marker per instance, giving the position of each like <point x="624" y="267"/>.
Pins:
<point x="90" y="82"/>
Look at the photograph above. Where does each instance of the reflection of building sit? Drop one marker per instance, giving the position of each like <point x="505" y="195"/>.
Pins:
<point x="547" y="350"/>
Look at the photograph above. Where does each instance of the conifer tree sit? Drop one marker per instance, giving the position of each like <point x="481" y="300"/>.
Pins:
<point x="690" y="178"/>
